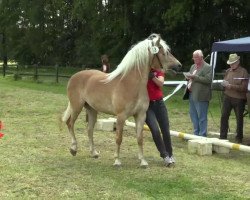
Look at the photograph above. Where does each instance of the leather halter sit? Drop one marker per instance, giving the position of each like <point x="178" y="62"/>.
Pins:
<point x="151" y="38"/>
<point x="156" y="55"/>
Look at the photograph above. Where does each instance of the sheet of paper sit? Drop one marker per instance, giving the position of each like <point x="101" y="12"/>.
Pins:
<point x="186" y="74"/>
<point x="248" y="88"/>
<point x="241" y="78"/>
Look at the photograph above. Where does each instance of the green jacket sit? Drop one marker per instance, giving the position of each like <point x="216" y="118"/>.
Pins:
<point x="201" y="84"/>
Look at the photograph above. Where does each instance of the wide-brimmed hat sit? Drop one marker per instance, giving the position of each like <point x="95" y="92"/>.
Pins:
<point x="233" y="58"/>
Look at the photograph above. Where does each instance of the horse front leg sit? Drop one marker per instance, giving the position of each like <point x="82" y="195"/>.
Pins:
<point x="92" y="116"/>
<point x="119" y="131"/>
<point x="140" y="120"/>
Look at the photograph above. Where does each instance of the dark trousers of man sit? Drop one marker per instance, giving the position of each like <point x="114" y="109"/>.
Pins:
<point x="157" y="114"/>
<point x="238" y="105"/>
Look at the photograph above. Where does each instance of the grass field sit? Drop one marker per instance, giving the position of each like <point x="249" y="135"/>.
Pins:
<point x="35" y="162"/>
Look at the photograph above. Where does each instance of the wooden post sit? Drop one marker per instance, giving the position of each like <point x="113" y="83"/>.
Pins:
<point x="57" y="73"/>
<point x="17" y="69"/>
<point x="16" y="75"/>
<point x="248" y="102"/>
<point x="5" y="59"/>
<point x="36" y="72"/>
<point x="4" y="69"/>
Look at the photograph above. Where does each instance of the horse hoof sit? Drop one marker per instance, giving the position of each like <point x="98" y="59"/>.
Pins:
<point x="95" y="156"/>
<point x="172" y="165"/>
<point x="117" y="166"/>
<point x="144" y="164"/>
<point x="73" y="152"/>
<point x="117" y="163"/>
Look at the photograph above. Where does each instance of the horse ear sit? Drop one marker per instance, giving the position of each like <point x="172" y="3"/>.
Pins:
<point x="152" y="36"/>
<point x="158" y="41"/>
<point x="154" y="49"/>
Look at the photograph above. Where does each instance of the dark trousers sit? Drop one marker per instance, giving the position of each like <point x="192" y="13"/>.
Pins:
<point x="238" y="105"/>
<point x="157" y="116"/>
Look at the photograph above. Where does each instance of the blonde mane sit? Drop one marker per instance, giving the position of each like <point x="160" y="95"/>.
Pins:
<point x="138" y="56"/>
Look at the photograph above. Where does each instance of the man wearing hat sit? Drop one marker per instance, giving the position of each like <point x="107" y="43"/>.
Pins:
<point x="235" y="87"/>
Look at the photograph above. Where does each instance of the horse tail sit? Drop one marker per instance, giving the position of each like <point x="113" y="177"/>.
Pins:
<point x="66" y="114"/>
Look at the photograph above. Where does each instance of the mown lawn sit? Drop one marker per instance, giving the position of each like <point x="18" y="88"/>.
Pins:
<point x="35" y="162"/>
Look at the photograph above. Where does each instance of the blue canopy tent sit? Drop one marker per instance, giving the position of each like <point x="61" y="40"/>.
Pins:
<point x="235" y="45"/>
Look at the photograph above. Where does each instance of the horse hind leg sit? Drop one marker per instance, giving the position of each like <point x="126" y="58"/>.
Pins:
<point x="91" y="116"/>
<point x="74" y="112"/>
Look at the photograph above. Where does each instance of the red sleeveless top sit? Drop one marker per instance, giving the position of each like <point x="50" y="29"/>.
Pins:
<point x="154" y="91"/>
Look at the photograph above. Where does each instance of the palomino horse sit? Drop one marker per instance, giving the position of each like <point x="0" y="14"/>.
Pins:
<point x="122" y="93"/>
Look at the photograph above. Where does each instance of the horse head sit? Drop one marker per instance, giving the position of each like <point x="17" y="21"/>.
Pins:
<point x="160" y="51"/>
<point x="158" y="55"/>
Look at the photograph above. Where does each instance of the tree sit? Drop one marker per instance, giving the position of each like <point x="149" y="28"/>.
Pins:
<point x="76" y="32"/>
